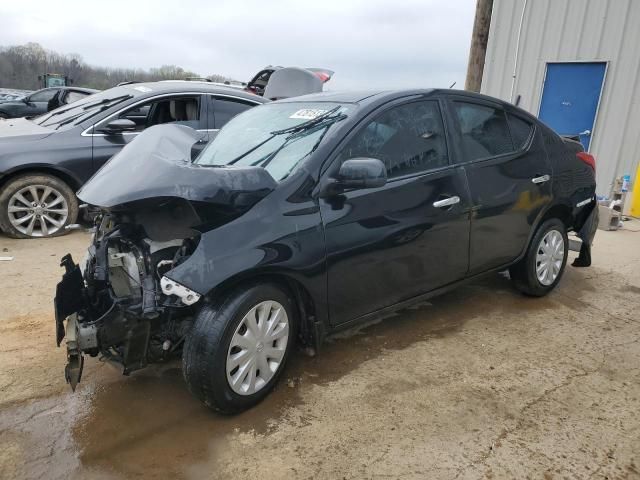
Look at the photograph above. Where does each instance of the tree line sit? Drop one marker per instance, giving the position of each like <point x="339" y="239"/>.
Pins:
<point x="21" y="65"/>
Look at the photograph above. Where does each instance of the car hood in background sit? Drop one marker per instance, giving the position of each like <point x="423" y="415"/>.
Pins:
<point x="22" y="129"/>
<point x="157" y="166"/>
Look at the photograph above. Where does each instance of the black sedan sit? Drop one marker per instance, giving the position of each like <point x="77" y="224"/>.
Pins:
<point x="43" y="101"/>
<point x="307" y="215"/>
<point x="43" y="161"/>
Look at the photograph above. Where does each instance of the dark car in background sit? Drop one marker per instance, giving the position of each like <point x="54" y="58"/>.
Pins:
<point x="43" y="101"/>
<point x="8" y="95"/>
<point x="307" y="215"/>
<point x="44" y="160"/>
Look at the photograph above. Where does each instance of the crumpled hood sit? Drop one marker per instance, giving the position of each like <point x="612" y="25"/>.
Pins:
<point x="157" y="164"/>
<point x="17" y="129"/>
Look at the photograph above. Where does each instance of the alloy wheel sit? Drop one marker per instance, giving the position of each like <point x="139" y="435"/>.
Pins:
<point x="38" y="210"/>
<point x="549" y="257"/>
<point x="257" y="347"/>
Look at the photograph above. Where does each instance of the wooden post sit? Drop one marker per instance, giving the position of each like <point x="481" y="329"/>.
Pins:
<point x="478" y="48"/>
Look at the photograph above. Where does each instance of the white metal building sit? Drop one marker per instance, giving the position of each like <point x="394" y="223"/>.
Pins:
<point x="576" y="65"/>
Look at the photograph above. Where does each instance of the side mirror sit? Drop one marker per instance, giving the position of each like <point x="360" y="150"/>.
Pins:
<point x="197" y="147"/>
<point x="119" y="125"/>
<point x="356" y="173"/>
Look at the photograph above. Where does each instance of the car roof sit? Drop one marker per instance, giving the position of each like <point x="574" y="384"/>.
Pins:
<point x="365" y="96"/>
<point x="71" y="88"/>
<point x="357" y="96"/>
<point x="179" y="86"/>
<point x="80" y="89"/>
<point x="377" y="97"/>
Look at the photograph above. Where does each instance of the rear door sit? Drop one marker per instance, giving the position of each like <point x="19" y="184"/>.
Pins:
<point x="389" y="244"/>
<point x="509" y="179"/>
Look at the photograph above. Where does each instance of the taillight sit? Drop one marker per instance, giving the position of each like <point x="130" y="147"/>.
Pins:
<point x="588" y="159"/>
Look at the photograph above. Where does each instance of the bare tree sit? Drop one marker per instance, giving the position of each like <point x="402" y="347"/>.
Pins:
<point x="21" y="65"/>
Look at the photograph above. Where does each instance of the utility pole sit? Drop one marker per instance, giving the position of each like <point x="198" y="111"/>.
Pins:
<point x="478" y="49"/>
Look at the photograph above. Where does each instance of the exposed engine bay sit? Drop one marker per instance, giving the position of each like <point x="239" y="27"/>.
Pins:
<point x="151" y="205"/>
<point x="127" y="311"/>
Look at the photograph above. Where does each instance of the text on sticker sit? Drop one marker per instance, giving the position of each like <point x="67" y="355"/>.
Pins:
<point x="308" y="113"/>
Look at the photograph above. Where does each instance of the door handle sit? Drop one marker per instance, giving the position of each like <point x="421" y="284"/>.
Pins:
<point x="447" y="202"/>
<point x="586" y="133"/>
<point x="541" y="179"/>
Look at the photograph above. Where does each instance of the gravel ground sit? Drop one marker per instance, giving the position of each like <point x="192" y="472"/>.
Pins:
<point x="479" y="383"/>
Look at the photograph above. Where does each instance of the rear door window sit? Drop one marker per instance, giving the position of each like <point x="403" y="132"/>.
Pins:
<point x="224" y="109"/>
<point x="483" y="129"/>
<point x="409" y="139"/>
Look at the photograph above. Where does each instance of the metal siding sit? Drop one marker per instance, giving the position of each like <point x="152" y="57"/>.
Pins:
<point x="569" y="31"/>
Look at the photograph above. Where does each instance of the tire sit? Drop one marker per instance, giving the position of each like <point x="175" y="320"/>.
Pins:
<point x="210" y="345"/>
<point x="4" y="116"/>
<point x="37" y="221"/>
<point x="525" y="273"/>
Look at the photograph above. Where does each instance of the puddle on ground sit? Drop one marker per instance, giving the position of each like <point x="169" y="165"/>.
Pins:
<point x="148" y="424"/>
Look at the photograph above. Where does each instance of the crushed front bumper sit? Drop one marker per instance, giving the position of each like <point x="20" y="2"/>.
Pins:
<point x="69" y="300"/>
<point x="70" y="295"/>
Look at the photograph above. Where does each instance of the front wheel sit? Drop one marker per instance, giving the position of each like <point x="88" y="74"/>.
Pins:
<point x="543" y="265"/>
<point x="236" y="351"/>
<point x="36" y="205"/>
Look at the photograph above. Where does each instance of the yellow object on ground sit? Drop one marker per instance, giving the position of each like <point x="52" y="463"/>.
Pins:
<point x="635" y="196"/>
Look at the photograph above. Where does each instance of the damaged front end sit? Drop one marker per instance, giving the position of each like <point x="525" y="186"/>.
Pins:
<point x="151" y="206"/>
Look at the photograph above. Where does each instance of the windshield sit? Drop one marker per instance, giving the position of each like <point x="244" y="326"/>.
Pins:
<point x="70" y="115"/>
<point x="277" y="137"/>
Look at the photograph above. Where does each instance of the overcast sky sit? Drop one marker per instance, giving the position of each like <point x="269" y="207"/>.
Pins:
<point x="368" y="43"/>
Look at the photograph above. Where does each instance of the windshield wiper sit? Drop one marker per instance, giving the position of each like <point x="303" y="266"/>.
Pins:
<point x="240" y="157"/>
<point x="107" y="102"/>
<point x="87" y="113"/>
<point x="69" y="120"/>
<point x="327" y="118"/>
<point x="110" y="101"/>
<point x="59" y="112"/>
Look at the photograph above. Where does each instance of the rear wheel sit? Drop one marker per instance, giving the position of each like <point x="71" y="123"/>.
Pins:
<point x="37" y="205"/>
<point x="235" y="352"/>
<point x="543" y="265"/>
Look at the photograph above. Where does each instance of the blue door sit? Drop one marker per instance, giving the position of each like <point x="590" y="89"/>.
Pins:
<point x="570" y="98"/>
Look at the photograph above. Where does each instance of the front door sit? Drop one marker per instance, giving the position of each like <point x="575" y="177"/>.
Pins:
<point x="189" y="110"/>
<point x="570" y="98"/>
<point x="37" y="103"/>
<point x="389" y="244"/>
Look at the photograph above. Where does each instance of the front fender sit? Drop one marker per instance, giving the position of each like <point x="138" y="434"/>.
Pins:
<point x="262" y="241"/>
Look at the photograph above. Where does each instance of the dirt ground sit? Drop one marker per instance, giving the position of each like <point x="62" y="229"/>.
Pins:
<point x="479" y="383"/>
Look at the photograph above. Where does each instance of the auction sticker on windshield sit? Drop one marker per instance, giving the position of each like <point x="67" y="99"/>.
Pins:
<point x="308" y="113"/>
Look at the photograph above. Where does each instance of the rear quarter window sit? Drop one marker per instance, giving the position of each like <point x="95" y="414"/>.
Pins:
<point x="520" y="130"/>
